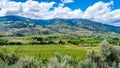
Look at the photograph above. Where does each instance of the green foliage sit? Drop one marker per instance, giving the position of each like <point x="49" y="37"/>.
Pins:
<point x="59" y="39"/>
<point x="61" y="42"/>
<point x="87" y="64"/>
<point x="47" y="51"/>
<point x="14" y="43"/>
<point x="110" y="53"/>
<point x="108" y="57"/>
<point x="8" y="58"/>
<point x="74" y="42"/>
<point x="119" y="65"/>
<point x="3" y="42"/>
<point x="41" y="40"/>
<point x="61" y="62"/>
<point x="30" y="62"/>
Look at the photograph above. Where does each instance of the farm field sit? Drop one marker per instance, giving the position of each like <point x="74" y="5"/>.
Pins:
<point x="48" y="51"/>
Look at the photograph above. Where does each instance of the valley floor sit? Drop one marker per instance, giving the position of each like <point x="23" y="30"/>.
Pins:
<point x="48" y="51"/>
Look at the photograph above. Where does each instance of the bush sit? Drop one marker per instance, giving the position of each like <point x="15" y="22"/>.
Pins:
<point x="76" y="42"/>
<point x="14" y="43"/>
<point x="61" y="42"/>
<point x="108" y="57"/>
<point x="43" y="42"/>
<point x="8" y="58"/>
<point x="61" y="62"/>
<point x="30" y="62"/>
<point x="3" y="42"/>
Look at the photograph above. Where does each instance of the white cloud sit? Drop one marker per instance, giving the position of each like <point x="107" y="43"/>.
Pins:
<point x="30" y="9"/>
<point x="100" y="11"/>
<point x="67" y="1"/>
<point x="34" y="9"/>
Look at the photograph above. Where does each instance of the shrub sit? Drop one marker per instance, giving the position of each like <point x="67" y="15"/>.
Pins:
<point x="87" y="64"/>
<point x="108" y="56"/>
<point x="75" y="42"/>
<point x="61" y="62"/>
<point x="8" y="58"/>
<point x="3" y="42"/>
<point x="61" y="42"/>
<point x="14" y="43"/>
<point x="43" y="42"/>
<point x="30" y="62"/>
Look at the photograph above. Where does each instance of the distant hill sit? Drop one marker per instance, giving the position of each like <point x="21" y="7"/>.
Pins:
<point x="92" y="25"/>
<point x="21" y="26"/>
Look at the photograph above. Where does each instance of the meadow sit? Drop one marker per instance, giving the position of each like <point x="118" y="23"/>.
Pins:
<point x="58" y="51"/>
<point x="48" y="51"/>
<point x="53" y="51"/>
<point x="45" y="46"/>
<point x="60" y="56"/>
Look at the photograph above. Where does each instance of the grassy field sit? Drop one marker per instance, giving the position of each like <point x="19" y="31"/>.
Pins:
<point x="48" y="51"/>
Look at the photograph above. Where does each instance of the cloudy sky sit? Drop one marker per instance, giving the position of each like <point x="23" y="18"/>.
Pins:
<point x="104" y="11"/>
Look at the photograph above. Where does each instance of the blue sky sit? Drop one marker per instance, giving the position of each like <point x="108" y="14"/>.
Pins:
<point x="82" y="4"/>
<point x="104" y="11"/>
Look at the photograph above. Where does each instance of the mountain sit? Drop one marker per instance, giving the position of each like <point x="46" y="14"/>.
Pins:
<point x="88" y="25"/>
<point x="21" y="26"/>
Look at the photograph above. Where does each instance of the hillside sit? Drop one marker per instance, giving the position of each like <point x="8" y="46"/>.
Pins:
<point x="86" y="25"/>
<point x="20" y="26"/>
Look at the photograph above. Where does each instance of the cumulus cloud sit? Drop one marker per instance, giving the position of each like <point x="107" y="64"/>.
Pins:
<point x="100" y="11"/>
<point x="67" y="1"/>
<point x="65" y="12"/>
<point x="34" y="9"/>
<point x="30" y="9"/>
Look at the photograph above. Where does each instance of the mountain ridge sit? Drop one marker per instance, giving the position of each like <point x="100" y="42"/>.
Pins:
<point x="57" y="25"/>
